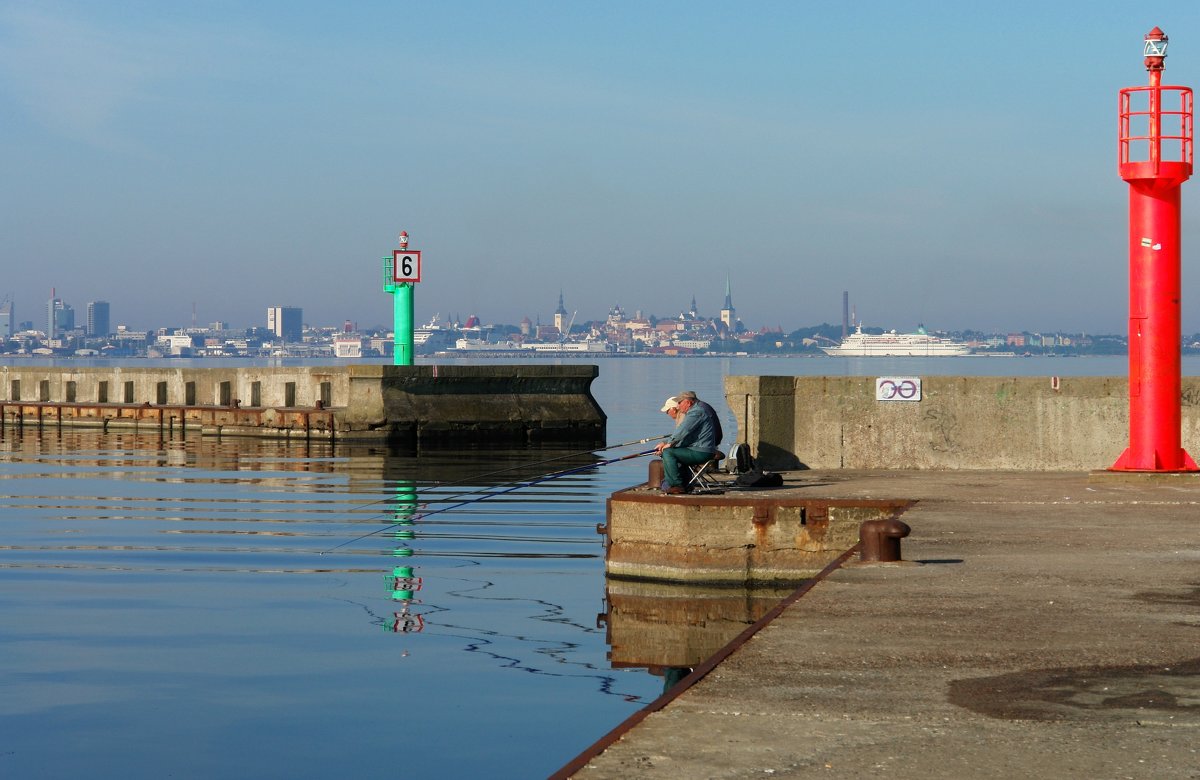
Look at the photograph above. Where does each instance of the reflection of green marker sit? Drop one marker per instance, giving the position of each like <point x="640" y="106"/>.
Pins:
<point x="402" y="552"/>
<point x="403" y="584"/>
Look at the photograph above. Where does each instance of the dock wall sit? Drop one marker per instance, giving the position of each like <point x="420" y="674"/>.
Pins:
<point x="419" y="405"/>
<point x="1022" y="423"/>
<point x="736" y="539"/>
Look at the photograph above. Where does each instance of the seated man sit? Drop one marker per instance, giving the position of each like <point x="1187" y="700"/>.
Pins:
<point x="671" y="408"/>
<point x="694" y="441"/>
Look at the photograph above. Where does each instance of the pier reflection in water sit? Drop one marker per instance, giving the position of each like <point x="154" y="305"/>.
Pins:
<point x="141" y="577"/>
<point x="670" y="629"/>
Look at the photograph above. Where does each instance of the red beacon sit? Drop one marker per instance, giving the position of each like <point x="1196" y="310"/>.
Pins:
<point x="1155" y="157"/>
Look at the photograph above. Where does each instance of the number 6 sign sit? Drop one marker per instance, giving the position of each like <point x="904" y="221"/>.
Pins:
<point x="406" y="265"/>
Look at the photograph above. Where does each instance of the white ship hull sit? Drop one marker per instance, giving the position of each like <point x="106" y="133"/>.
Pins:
<point x="431" y="333"/>
<point x="893" y="344"/>
<point x="554" y="347"/>
<point x="585" y="347"/>
<point x="478" y="345"/>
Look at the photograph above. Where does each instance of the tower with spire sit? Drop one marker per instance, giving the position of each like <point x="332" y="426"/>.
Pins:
<point x="727" y="313"/>
<point x="560" y="314"/>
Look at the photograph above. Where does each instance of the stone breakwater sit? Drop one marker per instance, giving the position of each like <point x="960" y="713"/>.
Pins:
<point x="956" y="422"/>
<point x="414" y="405"/>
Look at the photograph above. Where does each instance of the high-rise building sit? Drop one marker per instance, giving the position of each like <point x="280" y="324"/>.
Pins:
<point x="97" y="319"/>
<point x="286" y="322"/>
<point x="60" y="317"/>
<point x="7" y="320"/>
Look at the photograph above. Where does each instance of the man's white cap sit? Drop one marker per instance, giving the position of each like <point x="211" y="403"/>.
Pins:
<point x="670" y="403"/>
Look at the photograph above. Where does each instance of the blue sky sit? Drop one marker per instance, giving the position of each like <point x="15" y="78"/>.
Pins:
<point x="953" y="165"/>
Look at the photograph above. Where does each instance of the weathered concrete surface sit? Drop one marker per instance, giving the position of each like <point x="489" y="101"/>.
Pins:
<point x="248" y="385"/>
<point x="169" y="421"/>
<point x="751" y="537"/>
<point x="418" y="405"/>
<point x="432" y="404"/>
<point x="1028" y="423"/>
<point x="1048" y="628"/>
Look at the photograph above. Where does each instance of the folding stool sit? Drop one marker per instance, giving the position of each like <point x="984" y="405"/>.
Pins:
<point x="702" y="479"/>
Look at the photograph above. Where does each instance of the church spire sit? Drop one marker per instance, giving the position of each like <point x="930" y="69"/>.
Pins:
<point x="727" y="314"/>
<point x="560" y="314"/>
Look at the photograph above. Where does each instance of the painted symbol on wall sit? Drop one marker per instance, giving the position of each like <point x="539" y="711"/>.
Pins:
<point x="898" y="388"/>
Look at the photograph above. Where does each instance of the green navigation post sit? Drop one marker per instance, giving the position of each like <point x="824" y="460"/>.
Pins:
<point x="401" y="272"/>
<point x="402" y="322"/>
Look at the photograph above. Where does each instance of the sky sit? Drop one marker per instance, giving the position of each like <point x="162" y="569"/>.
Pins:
<point x="952" y="165"/>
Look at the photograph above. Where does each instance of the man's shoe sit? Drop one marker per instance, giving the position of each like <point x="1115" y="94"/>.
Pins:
<point x="675" y="490"/>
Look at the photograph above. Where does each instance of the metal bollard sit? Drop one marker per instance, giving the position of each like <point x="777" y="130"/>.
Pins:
<point x="880" y="540"/>
<point x="656" y="474"/>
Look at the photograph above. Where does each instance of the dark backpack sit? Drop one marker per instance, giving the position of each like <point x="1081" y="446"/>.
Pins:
<point x="759" y="479"/>
<point x="740" y="461"/>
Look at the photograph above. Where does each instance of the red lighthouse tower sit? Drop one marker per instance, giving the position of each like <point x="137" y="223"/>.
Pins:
<point x="1155" y="158"/>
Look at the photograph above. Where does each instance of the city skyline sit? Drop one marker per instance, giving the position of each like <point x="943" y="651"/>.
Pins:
<point x="278" y="319"/>
<point x="956" y="166"/>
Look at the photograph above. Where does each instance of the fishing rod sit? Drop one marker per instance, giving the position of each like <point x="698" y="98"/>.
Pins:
<point x="516" y="486"/>
<point x="547" y="460"/>
<point x="512" y="468"/>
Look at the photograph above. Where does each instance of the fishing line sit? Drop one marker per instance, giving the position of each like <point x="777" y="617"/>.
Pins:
<point x="547" y="460"/>
<point x="493" y="494"/>
<point x="504" y="470"/>
<point x="510" y="468"/>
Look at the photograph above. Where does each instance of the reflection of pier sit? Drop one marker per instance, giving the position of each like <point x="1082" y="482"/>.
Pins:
<point x="663" y="626"/>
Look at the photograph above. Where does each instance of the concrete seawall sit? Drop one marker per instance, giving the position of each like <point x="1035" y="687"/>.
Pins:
<point x="416" y="405"/>
<point x="1023" y="423"/>
<point x="743" y="538"/>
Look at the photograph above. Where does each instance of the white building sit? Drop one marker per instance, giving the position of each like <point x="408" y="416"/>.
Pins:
<point x="348" y="346"/>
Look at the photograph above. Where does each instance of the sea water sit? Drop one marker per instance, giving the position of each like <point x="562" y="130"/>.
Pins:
<point x="200" y="608"/>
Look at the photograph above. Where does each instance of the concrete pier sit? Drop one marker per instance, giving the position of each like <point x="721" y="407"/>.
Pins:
<point x="959" y="422"/>
<point x="413" y="405"/>
<point x="1044" y="625"/>
<point x="744" y="538"/>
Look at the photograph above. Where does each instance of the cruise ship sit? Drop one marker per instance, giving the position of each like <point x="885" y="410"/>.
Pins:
<point x="556" y="348"/>
<point x="893" y="344"/>
<point x="479" y="345"/>
<point x="432" y="334"/>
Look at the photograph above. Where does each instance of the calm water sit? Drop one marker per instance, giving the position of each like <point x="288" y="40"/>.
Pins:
<point x="168" y="610"/>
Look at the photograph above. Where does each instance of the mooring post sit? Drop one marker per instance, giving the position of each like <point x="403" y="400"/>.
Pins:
<point x="880" y="540"/>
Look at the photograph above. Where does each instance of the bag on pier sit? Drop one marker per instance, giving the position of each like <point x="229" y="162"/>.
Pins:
<point x="759" y="479"/>
<point x="739" y="460"/>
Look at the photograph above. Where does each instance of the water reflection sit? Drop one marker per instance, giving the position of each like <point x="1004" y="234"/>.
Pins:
<point x="198" y="565"/>
<point x="404" y="584"/>
<point x="670" y="629"/>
